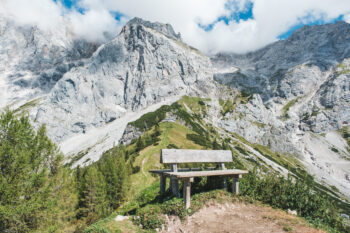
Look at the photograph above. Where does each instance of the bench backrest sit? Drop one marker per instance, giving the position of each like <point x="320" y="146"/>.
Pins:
<point x="175" y="156"/>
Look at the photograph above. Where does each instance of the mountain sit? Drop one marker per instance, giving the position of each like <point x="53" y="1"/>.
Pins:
<point x="301" y="97"/>
<point x="286" y="105"/>
<point x="33" y="60"/>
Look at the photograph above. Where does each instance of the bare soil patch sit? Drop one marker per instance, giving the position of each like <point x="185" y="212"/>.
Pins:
<point x="238" y="218"/>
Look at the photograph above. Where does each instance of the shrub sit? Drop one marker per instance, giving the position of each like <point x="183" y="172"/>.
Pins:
<point x="299" y="194"/>
<point x="150" y="217"/>
<point x="199" y="139"/>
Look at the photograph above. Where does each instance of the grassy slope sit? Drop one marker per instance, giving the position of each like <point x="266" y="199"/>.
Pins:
<point x="144" y="184"/>
<point x="172" y="133"/>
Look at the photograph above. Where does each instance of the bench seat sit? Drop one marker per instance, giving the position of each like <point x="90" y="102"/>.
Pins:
<point x="161" y="171"/>
<point x="189" y="174"/>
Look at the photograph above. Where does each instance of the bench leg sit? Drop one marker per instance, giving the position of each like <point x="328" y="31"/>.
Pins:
<point x="162" y="183"/>
<point x="174" y="182"/>
<point x="187" y="191"/>
<point x="222" y="165"/>
<point x="235" y="184"/>
<point x="225" y="183"/>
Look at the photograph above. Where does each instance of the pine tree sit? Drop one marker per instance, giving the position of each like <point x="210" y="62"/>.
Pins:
<point x="140" y="143"/>
<point x="29" y="166"/>
<point x="216" y="145"/>
<point x="93" y="203"/>
<point x="110" y="174"/>
<point x="157" y="130"/>
<point x="123" y="178"/>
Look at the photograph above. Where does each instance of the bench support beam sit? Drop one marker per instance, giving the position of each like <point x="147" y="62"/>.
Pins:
<point x="174" y="182"/>
<point x="187" y="191"/>
<point x="162" y="183"/>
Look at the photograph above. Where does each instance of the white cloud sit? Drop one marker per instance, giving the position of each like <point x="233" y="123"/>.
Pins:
<point x="52" y="16"/>
<point x="92" y="25"/>
<point x="44" y="14"/>
<point x="347" y="18"/>
<point x="270" y="18"/>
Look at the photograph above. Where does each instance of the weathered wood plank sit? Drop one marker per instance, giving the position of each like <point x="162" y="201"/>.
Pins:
<point x="195" y="156"/>
<point x="229" y="172"/>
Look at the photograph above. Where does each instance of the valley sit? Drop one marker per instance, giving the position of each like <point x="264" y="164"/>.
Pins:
<point x="283" y="111"/>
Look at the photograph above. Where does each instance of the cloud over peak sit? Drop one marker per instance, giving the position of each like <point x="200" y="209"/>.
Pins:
<point x="212" y="26"/>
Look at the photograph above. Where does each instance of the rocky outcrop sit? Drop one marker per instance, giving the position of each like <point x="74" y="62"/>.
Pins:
<point x="33" y="61"/>
<point x="145" y="64"/>
<point x="305" y="67"/>
<point x="130" y="133"/>
<point x="287" y="67"/>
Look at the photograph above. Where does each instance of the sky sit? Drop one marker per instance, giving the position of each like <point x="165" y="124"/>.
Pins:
<point x="237" y="26"/>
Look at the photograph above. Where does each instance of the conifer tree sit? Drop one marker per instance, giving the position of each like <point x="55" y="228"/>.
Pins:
<point x="93" y="203"/>
<point x="123" y="178"/>
<point x="29" y="166"/>
<point x="110" y="173"/>
<point x="140" y="143"/>
<point x="216" y="145"/>
<point x="157" y="130"/>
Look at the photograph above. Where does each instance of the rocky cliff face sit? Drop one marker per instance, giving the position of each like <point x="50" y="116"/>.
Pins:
<point x="145" y="64"/>
<point x="288" y="68"/>
<point x="292" y="96"/>
<point x="309" y="68"/>
<point x="32" y="60"/>
<point x="299" y="90"/>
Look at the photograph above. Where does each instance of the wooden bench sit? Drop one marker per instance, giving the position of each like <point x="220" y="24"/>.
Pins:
<point x="177" y="156"/>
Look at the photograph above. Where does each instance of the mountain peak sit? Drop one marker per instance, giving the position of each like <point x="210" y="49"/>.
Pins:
<point x="165" y="29"/>
<point x="307" y="31"/>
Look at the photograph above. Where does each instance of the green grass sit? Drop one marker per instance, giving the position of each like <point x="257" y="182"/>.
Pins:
<point x="286" y="107"/>
<point x="258" y="124"/>
<point x="196" y="104"/>
<point x="151" y="216"/>
<point x="345" y="133"/>
<point x="148" y="158"/>
<point x="227" y="106"/>
<point x="27" y="106"/>
<point x="77" y="157"/>
<point x="145" y="200"/>
<point x="342" y="69"/>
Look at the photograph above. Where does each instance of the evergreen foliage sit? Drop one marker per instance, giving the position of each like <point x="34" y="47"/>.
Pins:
<point x="200" y="140"/>
<point x="93" y="200"/>
<point x="103" y="186"/>
<point x="31" y="177"/>
<point x="296" y="194"/>
<point x="38" y="193"/>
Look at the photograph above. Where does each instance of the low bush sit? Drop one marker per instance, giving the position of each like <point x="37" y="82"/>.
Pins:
<point x="199" y="139"/>
<point x="150" y="217"/>
<point x="295" y="194"/>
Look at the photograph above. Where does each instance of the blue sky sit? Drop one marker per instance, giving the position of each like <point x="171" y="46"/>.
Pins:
<point x="236" y="15"/>
<point x="212" y="26"/>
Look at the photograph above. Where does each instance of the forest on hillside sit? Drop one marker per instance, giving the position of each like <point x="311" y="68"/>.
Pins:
<point x="41" y="193"/>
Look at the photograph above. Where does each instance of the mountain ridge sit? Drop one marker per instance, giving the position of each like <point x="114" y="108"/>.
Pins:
<point x="275" y="97"/>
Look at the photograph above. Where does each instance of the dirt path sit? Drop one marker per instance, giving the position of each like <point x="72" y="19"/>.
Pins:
<point x="143" y="170"/>
<point x="238" y="218"/>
